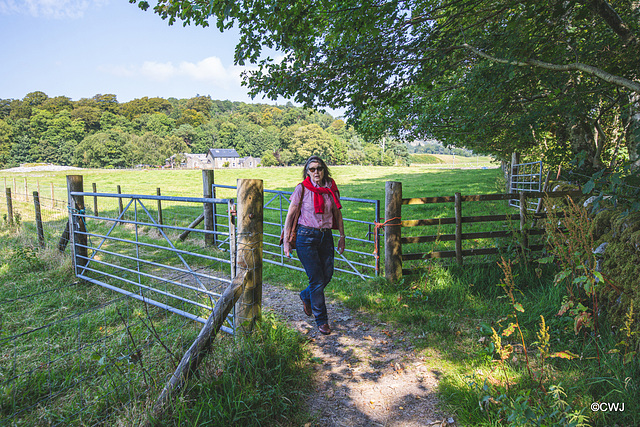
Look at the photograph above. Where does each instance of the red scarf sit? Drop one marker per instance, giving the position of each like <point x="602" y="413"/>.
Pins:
<point x="318" y="201"/>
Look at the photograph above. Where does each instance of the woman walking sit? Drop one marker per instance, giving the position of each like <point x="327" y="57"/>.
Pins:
<point x="314" y="211"/>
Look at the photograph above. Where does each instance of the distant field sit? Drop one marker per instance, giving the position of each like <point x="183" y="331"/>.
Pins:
<point x="454" y="161"/>
<point x="426" y="159"/>
<point x="355" y="181"/>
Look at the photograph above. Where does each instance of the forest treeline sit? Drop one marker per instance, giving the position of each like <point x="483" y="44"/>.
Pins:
<point x="100" y="132"/>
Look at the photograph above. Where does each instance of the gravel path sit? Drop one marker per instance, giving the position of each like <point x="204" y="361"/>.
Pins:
<point x="367" y="373"/>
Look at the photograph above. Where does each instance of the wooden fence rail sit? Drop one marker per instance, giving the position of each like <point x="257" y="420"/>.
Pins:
<point x="394" y="257"/>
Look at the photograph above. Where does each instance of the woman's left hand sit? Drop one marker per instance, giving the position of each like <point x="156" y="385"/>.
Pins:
<point x="341" y="243"/>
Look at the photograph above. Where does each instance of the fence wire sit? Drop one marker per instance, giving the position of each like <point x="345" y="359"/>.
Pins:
<point x="80" y="354"/>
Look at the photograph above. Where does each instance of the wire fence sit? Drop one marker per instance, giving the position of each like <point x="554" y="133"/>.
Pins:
<point x="83" y="357"/>
<point x="78" y="353"/>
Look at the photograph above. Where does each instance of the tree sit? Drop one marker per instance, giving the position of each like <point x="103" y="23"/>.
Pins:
<point x="89" y="115"/>
<point x="6" y="134"/>
<point x="311" y="140"/>
<point x="268" y="159"/>
<point x="57" y="136"/>
<point x="21" y="150"/>
<point x="107" y="102"/>
<point x="104" y="149"/>
<point x="192" y="117"/>
<point x="5" y="108"/>
<point x="57" y="104"/>
<point x="157" y="123"/>
<point x="34" y="99"/>
<point x="201" y="104"/>
<point x="559" y="71"/>
<point x="137" y="107"/>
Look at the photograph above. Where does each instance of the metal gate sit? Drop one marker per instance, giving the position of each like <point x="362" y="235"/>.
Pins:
<point x="526" y="177"/>
<point x="138" y="250"/>
<point x="359" y="216"/>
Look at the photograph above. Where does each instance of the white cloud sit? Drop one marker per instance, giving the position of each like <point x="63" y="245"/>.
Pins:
<point x="210" y="70"/>
<point x="56" y="9"/>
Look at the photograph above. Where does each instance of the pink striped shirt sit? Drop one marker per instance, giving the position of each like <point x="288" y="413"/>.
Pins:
<point x="308" y="216"/>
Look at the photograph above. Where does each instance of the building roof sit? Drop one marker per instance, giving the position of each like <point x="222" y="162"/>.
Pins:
<point x="223" y="152"/>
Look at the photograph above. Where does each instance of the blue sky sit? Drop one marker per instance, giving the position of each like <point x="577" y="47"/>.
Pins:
<point x="80" y="48"/>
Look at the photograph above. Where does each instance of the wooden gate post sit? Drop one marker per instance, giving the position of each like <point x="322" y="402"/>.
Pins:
<point x="120" y="205"/>
<point x="9" y="206"/>
<point x="458" y="235"/>
<point x="159" y="207"/>
<point x="77" y="229"/>
<point x="393" y="231"/>
<point x="231" y="211"/>
<point x="249" y="252"/>
<point x="209" y="218"/>
<point x="523" y="223"/>
<point x="39" y="229"/>
<point x="95" y="199"/>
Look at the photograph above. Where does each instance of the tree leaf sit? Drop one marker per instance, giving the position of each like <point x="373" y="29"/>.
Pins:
<point x="564" y="355"/>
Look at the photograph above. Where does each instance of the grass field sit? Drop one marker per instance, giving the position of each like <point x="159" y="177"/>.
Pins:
<point x="447" y="312"/>
<point x="451" y="160"/>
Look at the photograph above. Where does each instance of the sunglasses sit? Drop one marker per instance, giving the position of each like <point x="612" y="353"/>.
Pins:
<point x="312" y="170"/>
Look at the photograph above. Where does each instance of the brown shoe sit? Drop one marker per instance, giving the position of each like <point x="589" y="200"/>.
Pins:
<point x="324" y="329"/>
<point x="306" y="307"/>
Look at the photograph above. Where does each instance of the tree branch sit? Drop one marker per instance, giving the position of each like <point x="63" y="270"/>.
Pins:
<point x="612" y="19"/>
<point x="576" y="66"/>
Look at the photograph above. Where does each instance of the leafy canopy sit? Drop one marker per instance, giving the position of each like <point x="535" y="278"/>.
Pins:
<point x="494" y="76"/>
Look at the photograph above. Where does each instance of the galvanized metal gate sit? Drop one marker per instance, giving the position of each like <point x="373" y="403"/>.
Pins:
<point x="139" y="250"/>
<point x="526" y="177"/>
<point x="359" y="215"/>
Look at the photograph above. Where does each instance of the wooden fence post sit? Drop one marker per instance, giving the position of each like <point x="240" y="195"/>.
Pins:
<point x="393" y="231"/>
<point x="209" y="218"/>
<point x="95" y="199"/>
<point x="231" y="211"/>
<point x="9" y="206"/>
<point x="40" y="230"/>
<point x="376" y="238"/>
<point x="53" y="200"/>
<point x="249" y="252"/>
<point x="77" y="229"/>
<point x="26" y="190"/>
<point x="523" y="222"/>
<point x="120" y="207"/>
<point x="64" y="238"/>
<point x="159" y="206"/>
<point x="458" y="213"/>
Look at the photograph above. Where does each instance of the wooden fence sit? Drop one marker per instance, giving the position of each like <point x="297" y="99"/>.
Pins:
<point x="394" y="223"/>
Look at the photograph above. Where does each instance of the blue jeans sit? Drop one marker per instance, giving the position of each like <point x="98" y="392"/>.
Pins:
<point x="315" y="250"/>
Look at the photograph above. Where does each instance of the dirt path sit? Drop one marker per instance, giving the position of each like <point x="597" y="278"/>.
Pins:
<point x="367" y="374"/>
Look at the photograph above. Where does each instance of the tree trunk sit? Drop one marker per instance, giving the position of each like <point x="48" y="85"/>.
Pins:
<point x="632" y="125"/>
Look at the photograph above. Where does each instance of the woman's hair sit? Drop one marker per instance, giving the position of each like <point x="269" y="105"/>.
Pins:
<point x="315" y="159"/>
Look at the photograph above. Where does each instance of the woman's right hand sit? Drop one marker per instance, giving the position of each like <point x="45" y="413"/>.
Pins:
<point x="287" y="248"/>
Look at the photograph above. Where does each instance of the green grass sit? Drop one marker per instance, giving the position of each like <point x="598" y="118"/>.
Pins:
<point x="446" y="313"/>
<point x="77" y="354"/>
